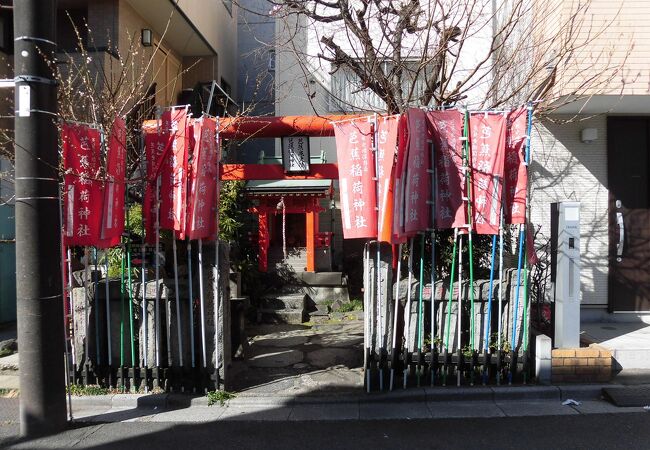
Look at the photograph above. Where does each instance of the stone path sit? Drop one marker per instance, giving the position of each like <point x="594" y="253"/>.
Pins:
<point x="303" y="359"/>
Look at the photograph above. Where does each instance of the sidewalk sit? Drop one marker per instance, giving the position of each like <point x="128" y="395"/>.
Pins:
<point x="423" y="403"/>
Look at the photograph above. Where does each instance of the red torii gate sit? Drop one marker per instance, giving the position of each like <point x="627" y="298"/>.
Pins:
<point x="239" y="128"/>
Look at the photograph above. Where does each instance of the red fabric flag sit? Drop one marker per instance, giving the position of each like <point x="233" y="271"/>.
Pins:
<point x="418" y="179"/>
<point x="386" y="145"/>
<point x="155" y="145"/>
<point x="173" y="173"/>
<point x="356" y="178"/>
<point x="399" y="183"/>
<point x="202" y="198"/>
<point x="113" y="217"/>
<point x="488" y="140"/>
<point x="446" y="130"/>
<point x="516" y="173"/>
<point x="83" y="194"/>
<point x="531" y="252"/>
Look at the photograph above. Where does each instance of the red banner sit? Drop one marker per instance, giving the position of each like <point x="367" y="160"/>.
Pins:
<point x="418" y="179"/>
<point x="203" y="193"/>
<point x="399" y="182"/>
<point x="488" y="141"/>
<point x="83" y="195"/>
<point x="446" y="130"/>
<point x="113" y="217"/>
<point x="386" y="146"/>
<point x="531" y="251"/>
<point x="173" y="187"/>
<point x="155" y="145"/>
<point x="516" y="173"/>
<point x="356" y="178"/>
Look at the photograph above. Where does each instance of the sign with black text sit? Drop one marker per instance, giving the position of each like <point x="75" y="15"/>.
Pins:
<point x="295" y="154"/>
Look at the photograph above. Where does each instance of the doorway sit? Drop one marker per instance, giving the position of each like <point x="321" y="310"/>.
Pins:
<point x="628" y="157"/>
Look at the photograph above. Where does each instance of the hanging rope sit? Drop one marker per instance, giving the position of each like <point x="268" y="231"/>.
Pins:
<point x="283" y="207"/>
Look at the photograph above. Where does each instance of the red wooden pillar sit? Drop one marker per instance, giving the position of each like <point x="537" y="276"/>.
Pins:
<point x="311" y="228"/>
<point x="263" y="239"/>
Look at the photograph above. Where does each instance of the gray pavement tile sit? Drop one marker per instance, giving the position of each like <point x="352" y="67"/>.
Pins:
<point x="603" y="407"/>
<point x="455" y="409"/>
<point x="327" y="411"/>
<point x="373" y="411"/>
<point x="253" y="413"/>
<point x="582" y="391"/>
<point x="194" y="414"/>
<point x="504" y="393"/>
<point x="535" y="408"/>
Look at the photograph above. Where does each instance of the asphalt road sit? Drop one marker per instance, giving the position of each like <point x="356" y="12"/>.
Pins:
<point x="596" y="431"/>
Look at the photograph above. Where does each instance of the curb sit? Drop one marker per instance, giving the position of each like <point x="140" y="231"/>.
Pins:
<point x="413" y="395"/>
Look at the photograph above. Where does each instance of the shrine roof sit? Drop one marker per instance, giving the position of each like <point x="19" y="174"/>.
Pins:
<point x="288" y="187"/>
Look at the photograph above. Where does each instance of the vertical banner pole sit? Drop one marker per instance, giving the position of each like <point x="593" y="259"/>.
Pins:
<point x="72" y="312"/>
<point x="420" y="324"/>
<point x="432" y="363"/>
<point x="157" y="270"/>
<point x="86" y="307"/>
<point x="500" y="318"/>
<point x="129" y="290"/>
<point x="407" y="315"/>
<point x="380" y="310"/>
<point x="145" y="338"/>
<point x="366" y="314"/>
<point x="98" y="358"/>
<point x="178" y="301"/>
<point x="395" y="317"/>
<point x="515" y="311"/>
<point x="202" y="303"/>
<point x="488" y="318"/>
<point x="121" y="314"/>
<point x="452" y="273"/>
<point x="459" y="312"/>
<point x="191" y="299"/>
<point x="108" y="315"/>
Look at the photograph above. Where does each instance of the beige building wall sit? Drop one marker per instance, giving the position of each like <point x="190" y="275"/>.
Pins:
<point x="615" y="47"/>
<point x="564" y="168"/>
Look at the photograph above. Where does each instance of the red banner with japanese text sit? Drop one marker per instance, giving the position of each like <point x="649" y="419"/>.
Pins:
<point x="174" y="192"/>
<point x="516" y="173"/>
<point x="399" y="183"/>
<point x="155" y="148"/>
<point x="446" y="129"/>
<point x="356" y="178"/>
<point x="417" y="193"/>
<point x="114" y="188"/>
<point x="202" y="199"/>
<point x="83" y="193"/>
<point x="386" y="146"/>
<point x="488" y="141"/>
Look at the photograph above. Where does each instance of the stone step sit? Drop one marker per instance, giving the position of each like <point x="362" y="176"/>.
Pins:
<point x="290" y="316"/>
<point x="286" y="301"/>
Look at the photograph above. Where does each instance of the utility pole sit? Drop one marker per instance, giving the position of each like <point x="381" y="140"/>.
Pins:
<point x="38" y="233"/>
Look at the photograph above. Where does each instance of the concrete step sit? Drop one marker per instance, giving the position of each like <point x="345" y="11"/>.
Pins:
<point x="284" y="301"/>
<point x="290" y="316"/>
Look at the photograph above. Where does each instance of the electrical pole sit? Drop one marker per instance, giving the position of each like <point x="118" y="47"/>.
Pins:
<point x="38" y="233"/>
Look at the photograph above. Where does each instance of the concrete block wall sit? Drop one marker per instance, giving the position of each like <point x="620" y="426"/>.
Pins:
<point x="581" y="365"/>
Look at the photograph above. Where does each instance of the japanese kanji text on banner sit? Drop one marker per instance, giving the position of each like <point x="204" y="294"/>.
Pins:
<point x="356" y="178"/>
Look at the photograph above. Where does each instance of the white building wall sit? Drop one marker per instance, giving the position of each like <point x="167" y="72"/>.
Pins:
<point x="564" y="168"/>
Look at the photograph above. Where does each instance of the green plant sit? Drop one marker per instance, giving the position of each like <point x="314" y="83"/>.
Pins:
<point x="91" y="389"/>
<point x="494" y="343"/>
<point x="5" y="352"/>
<point x="219" y="396"/>
<point x="354" y="305"/>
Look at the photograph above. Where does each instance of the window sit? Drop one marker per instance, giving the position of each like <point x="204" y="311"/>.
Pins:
<point x="347" y="94"/>
<point x="6" y="33"/>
